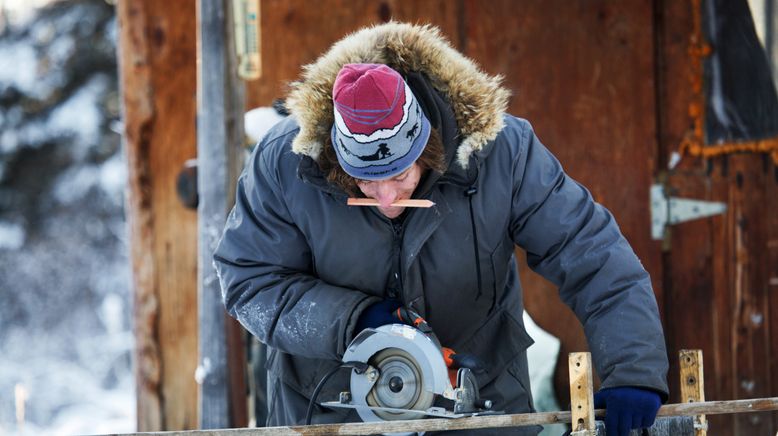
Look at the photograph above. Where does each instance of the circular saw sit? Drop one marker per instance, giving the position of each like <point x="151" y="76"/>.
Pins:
<point x="406" y="377"/>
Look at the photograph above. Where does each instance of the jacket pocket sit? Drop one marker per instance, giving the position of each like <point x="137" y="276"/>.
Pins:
<point x="520" y="372"/>
<point x="498" y="342"/>
<point x="509" y="391"/>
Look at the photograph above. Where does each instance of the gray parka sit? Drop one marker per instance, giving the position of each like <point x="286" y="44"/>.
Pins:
<point x="297" y="266"/>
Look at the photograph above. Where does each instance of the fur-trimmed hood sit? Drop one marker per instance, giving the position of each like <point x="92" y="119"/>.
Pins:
<point x="478" y="100"/>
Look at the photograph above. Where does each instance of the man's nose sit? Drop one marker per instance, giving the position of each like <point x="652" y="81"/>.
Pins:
<point x="386" y="194"/>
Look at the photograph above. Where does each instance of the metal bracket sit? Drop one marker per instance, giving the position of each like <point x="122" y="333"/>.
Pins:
<point x="673" y="210"/>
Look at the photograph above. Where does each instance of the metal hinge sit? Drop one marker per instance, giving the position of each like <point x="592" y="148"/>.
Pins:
<point x="673" y="210"/>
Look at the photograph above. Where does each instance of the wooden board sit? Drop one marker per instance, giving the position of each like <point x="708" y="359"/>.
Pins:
<point x="771" y="258"/>
<point x="581" y="392"/>
<point x="693" y="384"/>
<point x="157" y="69"/>
<point x="669" y="421"/>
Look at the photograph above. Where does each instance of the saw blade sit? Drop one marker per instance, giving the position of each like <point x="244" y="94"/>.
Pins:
<point x="400" y="385"/>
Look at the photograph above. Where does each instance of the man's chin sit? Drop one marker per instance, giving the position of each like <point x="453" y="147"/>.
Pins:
<point x="391" y="212"/>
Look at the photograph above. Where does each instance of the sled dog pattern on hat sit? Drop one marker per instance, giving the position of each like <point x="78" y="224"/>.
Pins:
<point x="379" y="129"/>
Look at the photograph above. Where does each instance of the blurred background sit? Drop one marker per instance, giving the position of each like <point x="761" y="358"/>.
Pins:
<point x="65" y="314"/>
<point x="677" y="94"/>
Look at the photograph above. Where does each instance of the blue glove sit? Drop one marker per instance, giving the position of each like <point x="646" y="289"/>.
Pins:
<point x="378" y="314"/>
<point x="627" y="408"/>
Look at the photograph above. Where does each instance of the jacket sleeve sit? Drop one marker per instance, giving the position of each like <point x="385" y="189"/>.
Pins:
<point x="576" y="244"/>
<point x="265" y="268"/>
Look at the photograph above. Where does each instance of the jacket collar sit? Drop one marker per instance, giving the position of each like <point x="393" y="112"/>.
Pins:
<point x="477" y="100"/>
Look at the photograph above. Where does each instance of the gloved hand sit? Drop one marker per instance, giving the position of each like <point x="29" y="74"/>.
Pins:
<point x="378" y="314"/>
<point x="626" y="408"/>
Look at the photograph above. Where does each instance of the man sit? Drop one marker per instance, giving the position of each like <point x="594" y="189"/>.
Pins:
<point x="391" y="113"/>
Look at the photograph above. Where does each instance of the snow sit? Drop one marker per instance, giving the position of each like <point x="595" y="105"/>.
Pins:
<point x="65" y="310"/>
<point x="75" y="183"/>
<point x="87" y="394"/>
<point x="18" y="67"/>
<point x="258" y="121"/>
<point x="11" y="236"/>
<point x="80" y="116"/>
<point x="21" y="11"/>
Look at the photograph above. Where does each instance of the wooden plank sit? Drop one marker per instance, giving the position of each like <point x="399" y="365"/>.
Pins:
<point x="750" y="346"/>
<point x="692" y="384"/>
<point x="489" y="421"/>
<point x="158" y="83"/>
<point x="219" y="146"/>
<point x="581" y="392"/>
<point x="771" y="318"/>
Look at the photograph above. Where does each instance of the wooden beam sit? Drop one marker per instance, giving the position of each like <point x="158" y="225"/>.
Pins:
<point x="156" y="52"/>
<point x="693" y="385"/>
<point x="222" y="401"/>
<point x="491" y="421"/>
<point x="581" y="393"/>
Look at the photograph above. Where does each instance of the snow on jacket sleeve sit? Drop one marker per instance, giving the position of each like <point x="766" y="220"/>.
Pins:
<point x="265" y="269"/>
<point x="575" y="243"/>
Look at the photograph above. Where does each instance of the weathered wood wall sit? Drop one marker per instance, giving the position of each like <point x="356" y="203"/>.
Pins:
<point x="157" y="68"/>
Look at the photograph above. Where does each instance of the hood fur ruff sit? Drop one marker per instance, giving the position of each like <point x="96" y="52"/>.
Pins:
<point x="477" y="99"/>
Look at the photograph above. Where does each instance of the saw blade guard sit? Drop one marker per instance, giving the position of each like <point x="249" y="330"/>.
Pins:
<point x="414" y="345"/>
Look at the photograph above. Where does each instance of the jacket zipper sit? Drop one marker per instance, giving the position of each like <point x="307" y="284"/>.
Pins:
<point x="397" y="233"/>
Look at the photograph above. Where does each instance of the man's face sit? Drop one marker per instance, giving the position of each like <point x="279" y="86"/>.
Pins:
<point x="387" y="191"/>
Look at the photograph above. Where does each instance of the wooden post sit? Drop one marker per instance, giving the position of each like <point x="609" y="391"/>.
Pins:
<point x="157" y="71"/>
<point x="222" y="401"/>
<point x="693" y="386"/>
<point x="581" y="394"/>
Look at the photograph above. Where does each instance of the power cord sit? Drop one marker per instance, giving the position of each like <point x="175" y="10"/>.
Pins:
<point x="360" y="367"/>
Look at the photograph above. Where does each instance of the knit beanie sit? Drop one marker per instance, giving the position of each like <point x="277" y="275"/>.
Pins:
<point x="380" y="129"/>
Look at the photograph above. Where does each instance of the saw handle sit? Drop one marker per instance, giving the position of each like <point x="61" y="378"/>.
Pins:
<point x="410" y="317"/>
<point x="456" y="360"/>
